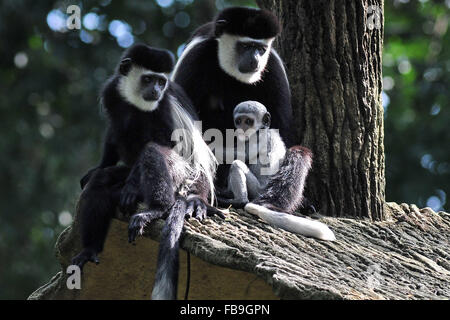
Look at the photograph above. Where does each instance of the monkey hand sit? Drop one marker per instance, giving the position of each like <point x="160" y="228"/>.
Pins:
<point x="87" y="177"/>
<point x="129" y="198"/>
<point x="88" y="254"/>
<point x="198" y="209"/>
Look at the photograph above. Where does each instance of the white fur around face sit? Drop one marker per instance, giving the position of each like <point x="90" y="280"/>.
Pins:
<point x="228" y="62"/>
<point x="129" y="88"/>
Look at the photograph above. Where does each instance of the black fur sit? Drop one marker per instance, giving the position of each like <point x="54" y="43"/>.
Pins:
<point x="206" y="30"/>
<point x="97" y="207"/>
<point x="253" y="23"/>
<point x="214" y="93"/>
<point x="284" y="191"/>
<point x="142" y="141"/>
<point x="225" y="202"/>
<point x="157" y="60"/>
<point x="166" y="277"/>
<point x="130" y="129"/>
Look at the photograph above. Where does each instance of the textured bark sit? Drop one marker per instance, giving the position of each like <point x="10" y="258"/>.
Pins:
<point x="406" y="257"/>
<point x="334" y="66"/>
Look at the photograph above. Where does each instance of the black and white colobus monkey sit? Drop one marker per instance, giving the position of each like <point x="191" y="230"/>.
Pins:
<point x="144" y="108"/>
<point x="258" y="155"/>
<point x="231" y="60"/>
<point x="263" y="153"/>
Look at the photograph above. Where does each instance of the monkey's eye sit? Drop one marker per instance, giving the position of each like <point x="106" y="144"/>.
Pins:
<point x="162" y="82"/>
<point x="146" y="79"/>
<point x="249" y="122"/>
<point x="261" y="48"/>
<point x="238" y="121"/>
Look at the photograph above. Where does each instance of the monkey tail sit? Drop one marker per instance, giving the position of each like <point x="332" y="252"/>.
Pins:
<point x="291" y="223"/>
<point x="166" y="278"/>
<point x="284" y="193"/>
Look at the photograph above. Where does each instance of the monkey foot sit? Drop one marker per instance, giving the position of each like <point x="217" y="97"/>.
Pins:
<point x="198" y="209"/>
<point x="139" y="221"/>
<point x="86" y="255"/>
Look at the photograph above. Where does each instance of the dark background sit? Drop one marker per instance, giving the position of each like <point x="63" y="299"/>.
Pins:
<point x="51" y="125"/>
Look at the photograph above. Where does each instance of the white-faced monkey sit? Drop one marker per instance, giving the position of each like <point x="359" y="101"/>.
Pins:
<point x="144" y="108"/>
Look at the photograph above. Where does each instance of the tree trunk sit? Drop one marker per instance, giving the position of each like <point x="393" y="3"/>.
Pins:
<point x="332" y="52"/>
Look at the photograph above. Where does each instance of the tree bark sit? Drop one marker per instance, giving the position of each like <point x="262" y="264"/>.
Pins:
<point x="405" y="258"/>
<point x="332" y="53"/>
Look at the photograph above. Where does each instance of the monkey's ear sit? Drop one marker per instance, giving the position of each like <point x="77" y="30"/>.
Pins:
<point x="125" y="66"/>
<point x="266" y="119"/>
<point x="220" y="27"/>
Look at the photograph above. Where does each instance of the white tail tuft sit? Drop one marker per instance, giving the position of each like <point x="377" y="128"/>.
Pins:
<point x="162" y="289"/>
<point x="291" y="223"/>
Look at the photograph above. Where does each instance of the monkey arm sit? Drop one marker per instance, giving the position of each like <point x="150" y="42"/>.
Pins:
<point x="130" y="194"/>
<point x="110" y="157"/>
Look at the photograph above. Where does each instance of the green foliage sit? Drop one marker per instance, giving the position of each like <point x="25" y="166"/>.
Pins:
<point x="51" y="126"/>
<point x="416" y="65"/>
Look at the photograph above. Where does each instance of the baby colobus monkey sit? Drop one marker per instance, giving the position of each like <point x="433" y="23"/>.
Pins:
<point x="269" y="171"/>
<point x="260" y="154"/>
<point x="144" y="109"/>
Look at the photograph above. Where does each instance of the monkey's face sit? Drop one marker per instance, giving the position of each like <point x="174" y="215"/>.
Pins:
<point x="152" y="86"/>
<point x="141" y="87"/>
<point x="250" y="55"/>
<point x="244" y="58"/>
<point x="245" y="125"/>
<point x="249" y="117"/>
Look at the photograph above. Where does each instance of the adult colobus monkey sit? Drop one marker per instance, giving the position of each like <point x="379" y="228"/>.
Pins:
<point x="231" y="60"/>
<point x="258" y="166"/>
<point x="144" y="109"/>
